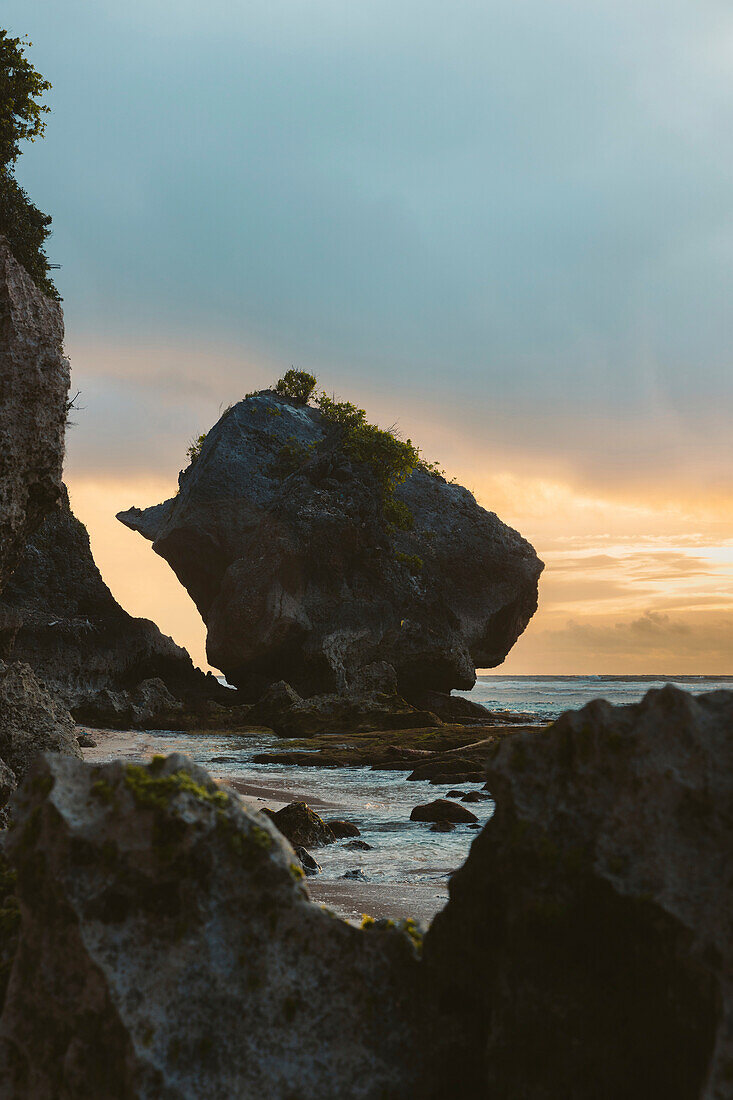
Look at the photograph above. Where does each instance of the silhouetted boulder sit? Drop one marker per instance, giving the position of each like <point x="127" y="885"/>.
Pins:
<point x="298" y="575"/>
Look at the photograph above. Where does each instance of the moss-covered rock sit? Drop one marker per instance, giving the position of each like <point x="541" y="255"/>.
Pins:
<point x="168" y="949"/>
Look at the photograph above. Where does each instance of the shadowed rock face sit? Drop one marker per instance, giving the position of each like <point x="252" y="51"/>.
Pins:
<point x="589" y="936"/>
<point x="31" y="721"/>
<point x="34" y="385"/>
<point x="59" y="616"/>
<point x="167" y="948"/>
<point x="298" y="579"/>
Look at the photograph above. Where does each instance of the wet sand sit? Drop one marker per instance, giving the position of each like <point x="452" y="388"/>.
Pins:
<point x="353" y="899"/>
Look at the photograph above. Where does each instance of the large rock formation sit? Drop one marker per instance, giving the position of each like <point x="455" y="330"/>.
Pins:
<point x="34" y="386"/>
<point x="588" y="939"/>
<point x="111" y="669"/>
<point x="168" y="949"/>
<point x="281" y="541"/>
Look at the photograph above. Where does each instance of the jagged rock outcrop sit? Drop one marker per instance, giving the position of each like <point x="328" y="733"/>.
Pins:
<point x="109" y="668"/>
<point x="588" y="940"/>
<point x="168" y="949"/>
<point x="298" y="578"/>
<point x="34" y="386"/>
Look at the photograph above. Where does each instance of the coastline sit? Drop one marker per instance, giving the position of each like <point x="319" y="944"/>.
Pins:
<point x="407" y="866"/>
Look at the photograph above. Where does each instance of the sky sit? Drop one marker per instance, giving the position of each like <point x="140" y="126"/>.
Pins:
<point x="505" y="226"/>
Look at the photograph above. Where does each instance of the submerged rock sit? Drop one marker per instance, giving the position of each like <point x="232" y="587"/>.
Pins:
<point x="310" y="865"/>
<point x="589" y="936"/>
<point x="298" y="576"/>
<point x="34" y="386"/>
<point x="110" y="669"/>
<point x="168" y="948"/>
<point x="356" y="875"/>
<point x="443" y="810"/>
<point x="342" y="829"/>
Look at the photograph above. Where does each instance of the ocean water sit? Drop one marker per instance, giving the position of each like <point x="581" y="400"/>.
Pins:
<point x="546" y="697"/>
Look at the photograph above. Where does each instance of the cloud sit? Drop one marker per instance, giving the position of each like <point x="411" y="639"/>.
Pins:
<point x="655" y="623"/>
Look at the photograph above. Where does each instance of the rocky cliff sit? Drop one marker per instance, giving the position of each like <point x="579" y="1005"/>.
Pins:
<point x="34" y="386"/>
<point x="281" y="539"/>
<point x="109" y="668"/>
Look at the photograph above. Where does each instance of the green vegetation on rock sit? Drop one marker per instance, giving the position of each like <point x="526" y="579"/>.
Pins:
<point x="156" y="791"/>
<point x="412" y="561"/>
<point x="21" y="119"/>
<point x="298" y="385"/>
<point x="194" y="449"/>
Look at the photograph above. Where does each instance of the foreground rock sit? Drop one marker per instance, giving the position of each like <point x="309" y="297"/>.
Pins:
<point x="589" y="937"/>
<point x="110" y="669"/>
<point x="298" y="576"/>
<point x="443" y="810"/>
<point x="168" y="949"/>
<point x="31" y="721"/>
<point x="34" y="386"/>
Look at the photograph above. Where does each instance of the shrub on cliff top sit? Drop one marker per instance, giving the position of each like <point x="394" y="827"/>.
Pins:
<point x="298" y="385"/>
<point x="390" y="459"/>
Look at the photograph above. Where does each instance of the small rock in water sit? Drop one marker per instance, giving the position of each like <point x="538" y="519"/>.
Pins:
<point x="359" y="846"/>
<point x="357" y="874"/>
<point x="86" y="741"/>
<point x="223" y="760"/>
<point x="442" y="827"/>
<point x="475" y="796"/>
<point x="341" y="829"/>
<point x="455" y="794"/>
<point x="301" y="825"/>
<point x="442" y="810"/>
<point x="307" y="862"/>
